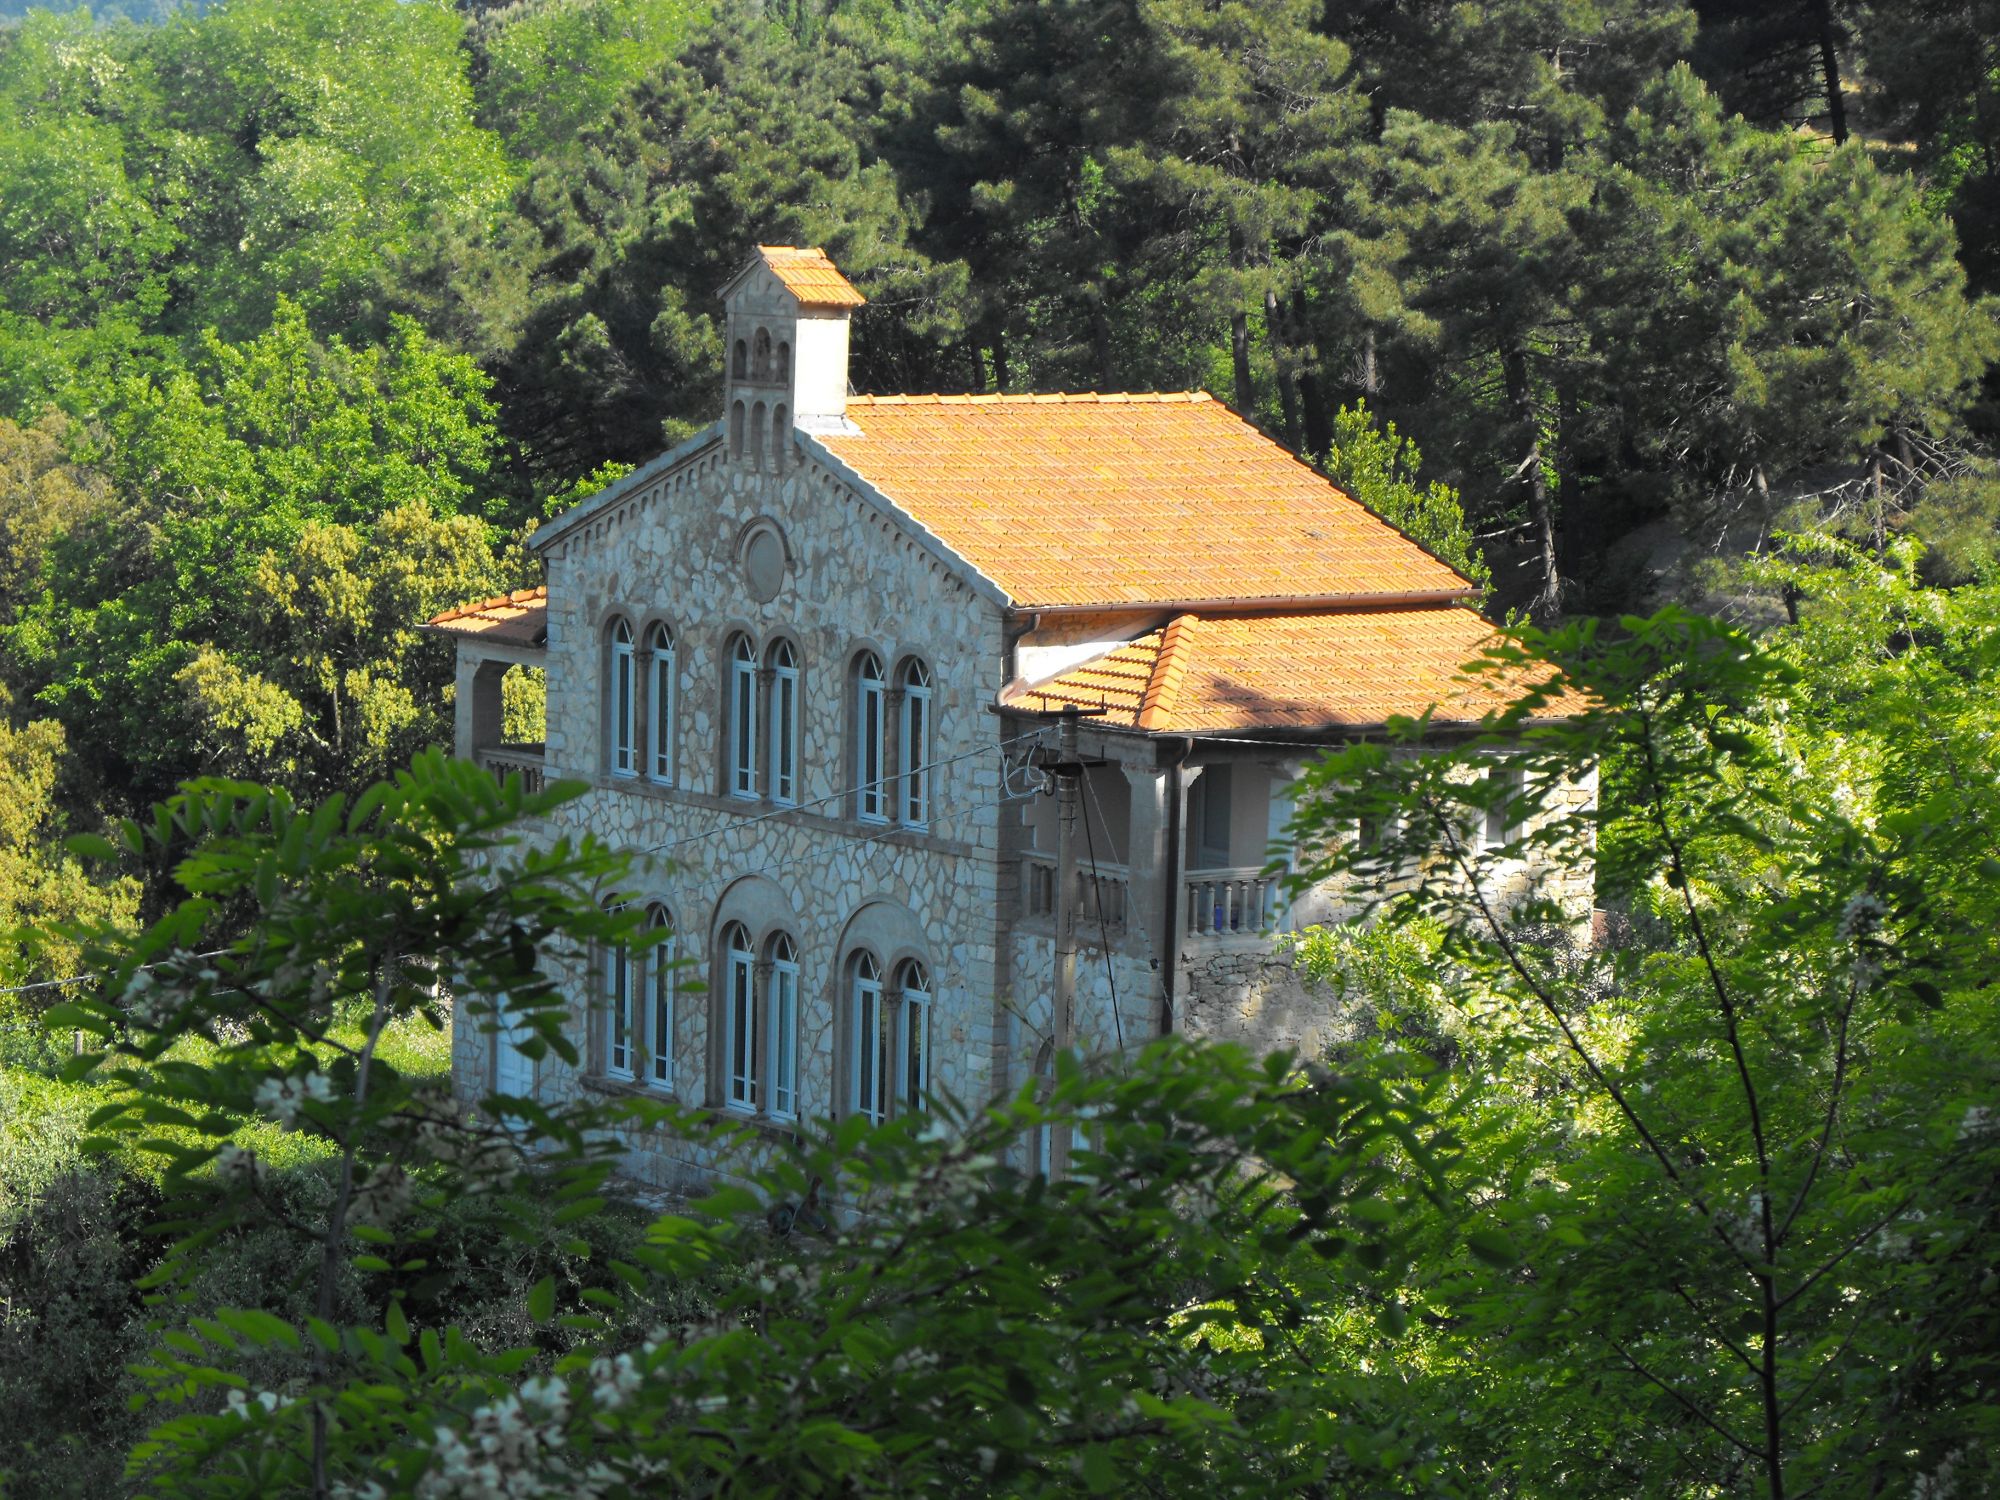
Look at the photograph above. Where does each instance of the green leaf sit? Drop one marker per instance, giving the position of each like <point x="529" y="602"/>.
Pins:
<point x="1492" y="1247"/>
<point x="542" y="1299"/>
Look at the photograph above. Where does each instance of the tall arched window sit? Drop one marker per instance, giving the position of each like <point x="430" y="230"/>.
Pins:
<point x="661" y="677"/>
<point x="867" y="1087"/>
<point x="913" y="1035"/>
<point x="742" y="718"/>
<point x="784" y="370"/>
<point x="782" y="1007"/>
<point x="736" y="429"/>
<point x="784" y="724"/>
<point x="739" y="1019"/>
<point x="760" y="355"/>
<point x="620" y="991"/>
<point x="622" y="705"/>
<point x="660" y="997"/>
<point x="914" y="742"/>
<point x="759" y="434"/>
<point x="871" y="692"/>
<point x="739" y="365"/>
<point x="781" y="428"/>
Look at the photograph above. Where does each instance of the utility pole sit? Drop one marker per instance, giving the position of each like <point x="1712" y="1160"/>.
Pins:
<point x="1063" y="1021"/>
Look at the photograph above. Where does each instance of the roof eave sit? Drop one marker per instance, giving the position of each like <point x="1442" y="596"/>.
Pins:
<point x="1260" y="604"/>
<point x="618" y="489"/>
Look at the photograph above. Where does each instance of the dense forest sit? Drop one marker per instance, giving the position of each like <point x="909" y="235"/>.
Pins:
<point x="308" y="310"/>
<point x="1677" y="326"/>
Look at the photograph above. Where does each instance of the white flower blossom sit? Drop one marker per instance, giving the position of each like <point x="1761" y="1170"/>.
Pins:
<point x="613" y="1380"/>
<point x="549" y="1394"/>
<point x="239" y="1164"/>
<point x="383" y="1198"/>
<point x="1862" y="915"/>
<point x="283" y="1098"/>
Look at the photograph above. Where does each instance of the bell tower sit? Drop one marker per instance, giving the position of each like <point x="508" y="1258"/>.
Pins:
<point x="786" y="319"/>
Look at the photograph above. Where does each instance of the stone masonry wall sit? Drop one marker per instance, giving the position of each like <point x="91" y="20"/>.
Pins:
<point x="672" y="551"/>
<point x="1244" y="989"/>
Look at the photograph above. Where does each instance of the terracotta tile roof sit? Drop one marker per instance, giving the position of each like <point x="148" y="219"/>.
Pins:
<point x="1126" y="500"/>
<point x="517" y="619"/>
<point x="809" y="276"/>
<point x="1342" y="669"/>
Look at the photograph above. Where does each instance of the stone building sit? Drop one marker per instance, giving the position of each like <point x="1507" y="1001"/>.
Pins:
<point x="808" y="663"/>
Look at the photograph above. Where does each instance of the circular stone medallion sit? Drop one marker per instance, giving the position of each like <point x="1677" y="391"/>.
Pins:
<point x="764" y="564"/>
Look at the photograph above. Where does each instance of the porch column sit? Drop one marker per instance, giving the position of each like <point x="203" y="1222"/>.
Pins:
<point x="1148" y="901"/>
<point x="476" y="715"/>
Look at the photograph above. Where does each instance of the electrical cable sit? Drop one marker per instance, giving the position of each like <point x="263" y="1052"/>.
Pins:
<point x="1097" y="885"/>
<point x="51" y="984"/>
<point x="839" y="796"/>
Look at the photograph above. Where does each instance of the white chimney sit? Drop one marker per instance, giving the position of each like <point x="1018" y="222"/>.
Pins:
<point x="786" y="360"/>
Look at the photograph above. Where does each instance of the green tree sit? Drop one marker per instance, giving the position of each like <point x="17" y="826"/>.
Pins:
<point x="974" y="1327"/>
<point x="1937" y="64"/>
<point x="556" y="68"/>
<point x="747" y="138"/>
<point x="1753" y="349"/>
<point x="281" y="516"/>
<point x="1378" y="466"/>
<point x="327" y="137"/>
<point x="44" y="890"/>
<point x="1742" y="1149"/>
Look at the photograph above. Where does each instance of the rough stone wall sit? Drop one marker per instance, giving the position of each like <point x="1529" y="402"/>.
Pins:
<point x="671" y="551"/>
<point x="1244" y="989"/>
<point x="1030" y="1001"/>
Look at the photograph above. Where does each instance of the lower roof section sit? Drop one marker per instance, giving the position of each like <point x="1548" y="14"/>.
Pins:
<point x="517" y="619"/>
<point x="1323" y="670"/>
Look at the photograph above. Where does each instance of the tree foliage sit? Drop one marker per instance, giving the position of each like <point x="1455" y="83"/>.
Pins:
<point x="1742" y="1150"/>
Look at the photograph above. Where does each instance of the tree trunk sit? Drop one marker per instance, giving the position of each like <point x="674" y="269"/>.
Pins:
<point x="1100" y="333"/>
<point x="1288" y="387"/>
<point x="1541" y="514"/>
<point x="976" y="362"/>
<point x="1829" y="65"/>
<point x="1239" y="357"/>
<point x="1312" y="395"/>
<point x="1000" y="360"/>
<point x="1365" y="374"/>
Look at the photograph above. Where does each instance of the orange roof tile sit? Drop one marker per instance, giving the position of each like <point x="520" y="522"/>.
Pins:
<point x="1336" y="669"/>
<point x="517" y="619"/>
<point x="810" y="276"/>
<point x="1127" y="500"/>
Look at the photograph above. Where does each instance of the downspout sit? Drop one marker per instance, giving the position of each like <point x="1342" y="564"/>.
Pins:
<point x="1170" y="898"/>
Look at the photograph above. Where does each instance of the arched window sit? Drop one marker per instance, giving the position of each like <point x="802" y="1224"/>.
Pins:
<point x="914" y="741"/>
<point x="622" y="702"/>
<point x="1503" y="821"/>
<point x="782" y="1007"/>
<point x="736" y="429"/>
<point x="660" y="997"/>
<point x="867" y="1090"/>
<point x="871" y="691"/>
<point x="621" y="985"/>
<point x="661" y="678"/>
<point x="760" y="355"/>
<point x="784" y="723"/>
<point x="784" y="371"/>
<point x="742" y="718"/>
<point x="759" y="433"/>
<point x="913" y="1035"/>
<point x="780" y="432"/>
<point x="739" y="364"/>
<point x="739" y="1019"/>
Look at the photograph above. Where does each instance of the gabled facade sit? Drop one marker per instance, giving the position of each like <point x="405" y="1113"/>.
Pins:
<point x="810" y="660"/>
